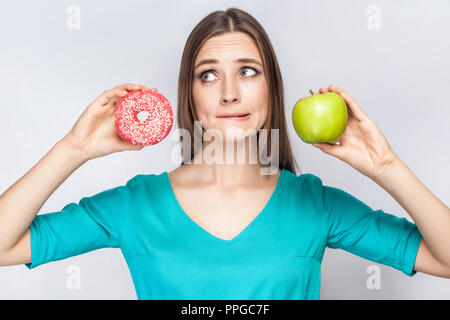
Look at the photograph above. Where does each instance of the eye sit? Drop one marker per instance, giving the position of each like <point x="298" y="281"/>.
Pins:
<point x="203" y="74"/>
<point x="249" y="68"/>
<point x="206" y="73"/>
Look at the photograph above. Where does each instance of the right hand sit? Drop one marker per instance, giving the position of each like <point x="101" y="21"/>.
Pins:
<point x="94" y="133"/>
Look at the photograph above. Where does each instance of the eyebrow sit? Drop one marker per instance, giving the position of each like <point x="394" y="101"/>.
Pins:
<point x="211" y="61"/>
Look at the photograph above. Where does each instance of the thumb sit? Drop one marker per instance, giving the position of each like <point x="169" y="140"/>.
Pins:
<point x="332" y="149"/>
<point x="319" y="145"/>
<point x="135" y="147"/>
<point x="127" y="146"/>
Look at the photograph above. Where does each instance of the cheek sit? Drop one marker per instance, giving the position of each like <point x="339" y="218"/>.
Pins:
<point x="202" y="102"/>
<point x="259" y="96"/>
<point x="199" y="99"/>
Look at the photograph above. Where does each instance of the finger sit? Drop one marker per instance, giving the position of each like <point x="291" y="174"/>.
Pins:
<point x="113" y="101"/>
<point x="152" y="89"/>
<point x="131" y="86"/>
<point x="113" y="95"/>
<point x="107" y="95"/>
<point x="335" y="150"/>
<point x="125" y="146"/>
<point x="323" y="90"/>
<point x="138" y="147"/>
<point x="355" y="109"/>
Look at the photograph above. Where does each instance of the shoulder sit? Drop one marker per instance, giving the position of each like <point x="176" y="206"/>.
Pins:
<point x="177" y="175"/>
<point x="315" y="187"/>
<point x="305" y="189"/>
<point x="184" y="176"/>
<point x="307" y="181"/>
<point x="147" y="183"/>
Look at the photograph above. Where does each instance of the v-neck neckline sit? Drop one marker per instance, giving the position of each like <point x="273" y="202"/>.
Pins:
<point x="246" y="230"/>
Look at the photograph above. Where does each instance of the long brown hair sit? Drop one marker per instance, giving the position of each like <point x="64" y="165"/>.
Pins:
<point x="215" y="24"/>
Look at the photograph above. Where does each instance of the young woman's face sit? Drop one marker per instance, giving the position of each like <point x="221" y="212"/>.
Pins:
<point x="229" y="86"/>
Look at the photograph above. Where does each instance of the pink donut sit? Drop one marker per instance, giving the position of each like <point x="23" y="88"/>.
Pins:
<point x="149" y="105"/>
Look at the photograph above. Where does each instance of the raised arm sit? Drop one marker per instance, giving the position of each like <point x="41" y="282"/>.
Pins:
<point x="20" y="203"/>
<point x="364" y="147"/>
<point x="92" y="136"/>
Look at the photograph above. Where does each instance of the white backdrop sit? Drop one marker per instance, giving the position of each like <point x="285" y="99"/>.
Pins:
<point x="391" y="56"/>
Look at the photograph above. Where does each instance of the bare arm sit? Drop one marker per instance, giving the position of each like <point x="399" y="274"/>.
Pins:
<point x="92" y="136"/>
<point x="364" y="147"/>
<point x="20" y="203"/>
<point x="429" y="213"/>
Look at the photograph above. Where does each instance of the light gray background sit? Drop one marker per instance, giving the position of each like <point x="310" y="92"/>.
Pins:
<point x="399" y="74"/>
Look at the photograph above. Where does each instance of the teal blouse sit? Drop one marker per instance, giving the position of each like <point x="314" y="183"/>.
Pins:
<point x="277" y="256"/>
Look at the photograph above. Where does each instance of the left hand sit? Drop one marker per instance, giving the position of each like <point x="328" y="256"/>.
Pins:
<point x="362" y="145"/>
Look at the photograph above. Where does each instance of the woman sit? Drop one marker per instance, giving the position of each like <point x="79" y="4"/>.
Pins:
<point x="226" y="229"/>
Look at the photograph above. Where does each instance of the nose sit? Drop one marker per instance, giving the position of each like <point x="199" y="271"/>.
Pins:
<point x="229" y="98"/>
<point x="230" y="92"/>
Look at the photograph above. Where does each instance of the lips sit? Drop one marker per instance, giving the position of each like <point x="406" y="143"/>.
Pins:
<point x="233" y="115"/>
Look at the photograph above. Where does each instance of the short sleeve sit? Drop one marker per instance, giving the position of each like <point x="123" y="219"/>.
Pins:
<point x="371" y="234"/>
<point x="93" y="223"/>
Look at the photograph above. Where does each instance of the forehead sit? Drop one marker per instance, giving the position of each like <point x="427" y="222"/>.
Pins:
<point x="229" y="46"/>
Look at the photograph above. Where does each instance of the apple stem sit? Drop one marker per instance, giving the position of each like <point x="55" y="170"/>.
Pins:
<point x="312" y="93"/>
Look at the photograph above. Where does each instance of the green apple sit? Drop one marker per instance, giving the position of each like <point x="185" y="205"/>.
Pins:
<point x="320" y="117"/>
